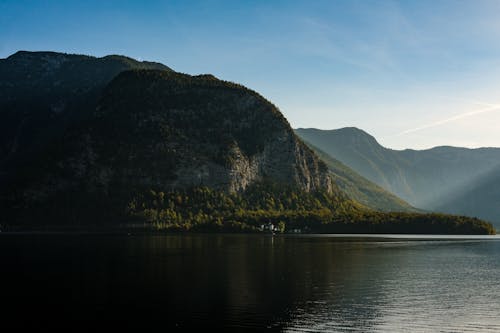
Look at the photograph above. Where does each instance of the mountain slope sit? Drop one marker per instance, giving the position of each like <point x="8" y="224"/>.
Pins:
<point x="361" y="189"/>
<point x="145" y="129"/>
<point x="43" y="93"/>
<point x="357" y="150"/>
<point x="204" y="131"/>
<point x="482" y="198"/>
<point x="425" y="179"/>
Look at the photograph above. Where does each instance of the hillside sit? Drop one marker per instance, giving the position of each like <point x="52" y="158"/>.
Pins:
<point x="112" y="141"/>
<point x="42" y="94"/>
<point x="482" y="198"/>
<point x="361" y="189"/>
<point x="426" y="179"/>
<point x="144" y="130"/>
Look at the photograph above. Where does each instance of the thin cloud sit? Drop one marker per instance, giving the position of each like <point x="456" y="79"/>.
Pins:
<point x="471" y="101"/>
<point x="493" y="107"/>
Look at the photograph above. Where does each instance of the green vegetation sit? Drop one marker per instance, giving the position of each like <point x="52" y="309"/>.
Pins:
<point x="204" y="209"/>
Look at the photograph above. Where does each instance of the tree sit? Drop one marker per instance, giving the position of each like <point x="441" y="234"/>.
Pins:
<point x="281" y="226"/>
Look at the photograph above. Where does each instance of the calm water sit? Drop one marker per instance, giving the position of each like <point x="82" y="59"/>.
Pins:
<point x="250" y="282"/>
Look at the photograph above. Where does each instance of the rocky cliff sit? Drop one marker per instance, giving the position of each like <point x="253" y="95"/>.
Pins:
<point x="159" y="129"/>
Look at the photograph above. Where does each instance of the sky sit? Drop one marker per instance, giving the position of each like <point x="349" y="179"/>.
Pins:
<point x="414" y="74"/>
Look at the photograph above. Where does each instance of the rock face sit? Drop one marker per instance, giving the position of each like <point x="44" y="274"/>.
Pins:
<point x="81" y="127"/>
<point x="159" y="129"/>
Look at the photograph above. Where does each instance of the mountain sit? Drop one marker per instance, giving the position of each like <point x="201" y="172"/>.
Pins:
<point x="112" y="141"/>
<point x="183" y="121"/>
<point x="113" y="127"/>
<point x="481" y="198"/>
<point x="426" y="179"/>
<point x="43" y="93"/>
<point x="361" y="189"/>
<point x="204" y="131"/>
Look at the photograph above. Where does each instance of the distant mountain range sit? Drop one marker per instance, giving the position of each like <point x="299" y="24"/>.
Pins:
<point x="361" y="189"/>
<point x="106" y="141"/>
<point x="448" y="179"/>
<point x="479" y="198"/>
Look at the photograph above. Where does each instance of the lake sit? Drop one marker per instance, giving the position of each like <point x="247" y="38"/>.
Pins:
<point x="78" y="282"/>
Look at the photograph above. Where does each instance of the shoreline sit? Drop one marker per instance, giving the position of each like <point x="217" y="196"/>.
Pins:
<point x="338" y="236"/>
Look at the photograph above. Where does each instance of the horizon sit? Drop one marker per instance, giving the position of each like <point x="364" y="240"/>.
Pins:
<point x="398" y="149"/>
<point x="414" y="75"/>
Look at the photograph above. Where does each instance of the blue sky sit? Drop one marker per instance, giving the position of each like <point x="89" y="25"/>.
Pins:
<point x="415" y="74"/>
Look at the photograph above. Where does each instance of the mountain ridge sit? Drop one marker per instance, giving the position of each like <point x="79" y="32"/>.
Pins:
<point x="360" y="188"/>
<point x="424" y="178"/>
<point x="361" y="132"/>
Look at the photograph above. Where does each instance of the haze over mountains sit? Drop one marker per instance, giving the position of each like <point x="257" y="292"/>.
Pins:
<point x="88" y="140"/>
<point x="361" y="189"/>
<point x="478" y="198"/>
<point x="448" y="179"/>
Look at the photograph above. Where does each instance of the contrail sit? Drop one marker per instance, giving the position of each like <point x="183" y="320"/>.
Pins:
<point x="472" y="101"/>
<point x="492" y="107"/>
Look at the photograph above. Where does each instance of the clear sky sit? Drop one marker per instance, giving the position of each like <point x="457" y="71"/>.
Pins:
<point x="414" y="74"/>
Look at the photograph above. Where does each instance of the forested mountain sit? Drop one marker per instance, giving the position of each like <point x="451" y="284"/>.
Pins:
<point x="427" y="179"/>
<point x="106" y="141"/>
<point x="43" y="93"/>
<point x="96" y="132"/>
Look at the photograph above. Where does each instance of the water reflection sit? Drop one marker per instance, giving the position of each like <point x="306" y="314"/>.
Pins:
<point x="407" y="286"/>
<point x="248" y="282"/>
